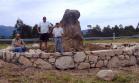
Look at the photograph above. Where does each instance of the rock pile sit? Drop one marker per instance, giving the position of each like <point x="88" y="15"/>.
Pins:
<point x="112" y="58"/>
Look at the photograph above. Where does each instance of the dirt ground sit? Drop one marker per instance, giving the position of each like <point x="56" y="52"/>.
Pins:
<point x="10" y="73"/>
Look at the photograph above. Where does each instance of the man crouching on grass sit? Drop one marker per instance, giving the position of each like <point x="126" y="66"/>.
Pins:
<point x="58" y="32"/>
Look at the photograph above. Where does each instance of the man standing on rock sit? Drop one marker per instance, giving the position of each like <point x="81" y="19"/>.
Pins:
<point x="58" y="33"/>
<point x="43" y="29"/>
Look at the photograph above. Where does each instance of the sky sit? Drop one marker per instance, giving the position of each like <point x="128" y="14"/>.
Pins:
<point x="93" y="12"/>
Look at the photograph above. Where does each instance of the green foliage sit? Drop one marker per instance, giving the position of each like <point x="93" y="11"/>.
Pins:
<point x="108" y="31"/>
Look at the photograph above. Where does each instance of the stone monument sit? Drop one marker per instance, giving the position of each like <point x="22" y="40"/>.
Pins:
<point x="73" y="38"/>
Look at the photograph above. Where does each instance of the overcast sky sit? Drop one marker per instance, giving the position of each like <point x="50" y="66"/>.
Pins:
<point x="102" y="12"/>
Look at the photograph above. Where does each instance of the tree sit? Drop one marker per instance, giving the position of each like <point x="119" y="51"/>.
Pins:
<point x="137" y="29"/>
<point x="129" y="30"/>
<point x="95" y="32"/>
<point x="116" y="30"/>
<point x="121" y="30"/>
<point x="35" y="33"/>
<point x="107" y="31"/>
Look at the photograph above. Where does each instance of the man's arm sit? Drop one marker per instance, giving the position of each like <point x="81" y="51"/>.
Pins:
<point x="23" y="43"/>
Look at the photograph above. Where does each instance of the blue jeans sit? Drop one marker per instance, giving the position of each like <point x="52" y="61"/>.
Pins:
<point x="58" y="44"/>
<point x="19" y="49"/>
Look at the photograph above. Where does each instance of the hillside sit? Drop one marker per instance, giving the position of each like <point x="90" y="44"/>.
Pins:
<point x="6" y="31"/>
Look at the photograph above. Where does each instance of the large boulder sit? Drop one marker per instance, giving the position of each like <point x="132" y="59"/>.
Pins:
<point x="107" y="75"/>
<point x="65" y="62"/>
<point x="73" y="38"/>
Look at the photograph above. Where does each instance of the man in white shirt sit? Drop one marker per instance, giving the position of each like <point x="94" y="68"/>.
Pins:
<point x="43" y="29"/>
<point x="58" y="32"/>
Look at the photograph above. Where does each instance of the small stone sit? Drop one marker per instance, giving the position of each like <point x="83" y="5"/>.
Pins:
<point x="31" y="51"/>
<point x="93" y="65"/>
<point x="107" y="75"/>
<point x="45" y="55"/>
<point x="79" y="57"/>
<point x="121" y="57"/>
<point x="35" y="45"/>
<point x="117" y="51"/>
<point x="27" y="54"/>
<point x="93" y="58"/>
<point x="35" y="55"/>
<point x="52" y="60"/>
<point x="127" y="57"/>
<point x="100" y="64"/>
<point x="84" y="65"/>
<point x="105" y="62"/>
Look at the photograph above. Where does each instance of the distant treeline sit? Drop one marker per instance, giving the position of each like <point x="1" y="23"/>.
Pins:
<point x="109" y="31"/>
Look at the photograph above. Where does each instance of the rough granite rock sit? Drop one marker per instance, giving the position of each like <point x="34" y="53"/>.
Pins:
<point x="42" y="64"/>
<point x="24" y="61"/>
<point x="128" y="51"/>
<point x="79" y="57"/>
<point x="52" y="60"/>
<point x="84" y="65"/>
<point x="9" y="56"/>
<point x="121" y="57"/>
<point x="93" y="58"/>
<point x="107" y="75"/>
<point x="45" y="55"/>
<point x="100" y="64"/>
<point x="118" y="51"/>
<point x="132" y="60"/>
<point x="64" y="62"/>
<point x="35" y="45"/>
<point x="114" y="62"/>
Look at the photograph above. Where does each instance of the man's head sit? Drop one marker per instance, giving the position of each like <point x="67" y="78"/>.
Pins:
<point x="57" y="24"/>
<point x="17" y="36"/>
<point x="44" y="19"/>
